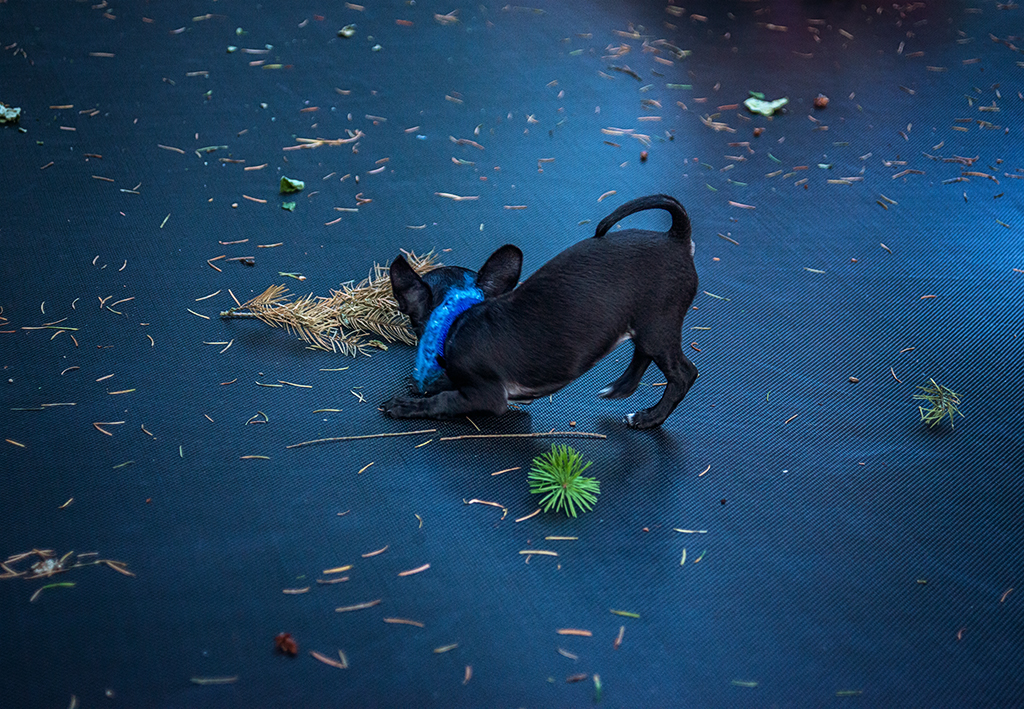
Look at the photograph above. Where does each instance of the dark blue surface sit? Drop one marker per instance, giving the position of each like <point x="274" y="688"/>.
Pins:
<point x="849" y="547"/>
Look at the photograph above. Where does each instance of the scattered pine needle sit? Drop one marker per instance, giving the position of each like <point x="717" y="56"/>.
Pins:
<point x="357" y="606"/>
<point x="532" y="514"/>
<point x="417" y="570"/>
<point x="343" y="665"/>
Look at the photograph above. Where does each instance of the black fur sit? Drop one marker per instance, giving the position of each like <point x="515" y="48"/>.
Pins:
<point x="531" y="341"/>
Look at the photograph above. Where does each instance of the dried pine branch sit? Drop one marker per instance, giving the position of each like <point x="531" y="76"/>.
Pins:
<point x="344" y="321"/>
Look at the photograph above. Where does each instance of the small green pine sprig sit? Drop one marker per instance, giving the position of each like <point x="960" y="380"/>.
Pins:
<point x="557" y="476"/>
<point x="942" y="400"/>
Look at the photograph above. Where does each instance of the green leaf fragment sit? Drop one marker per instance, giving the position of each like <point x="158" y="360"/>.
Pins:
<point x="62" y="584"/>
<point x="624" y="614"/>
<point x="290" y="206"/>
<point x="765" y="108"/>
<point x="347" y="31"/>
<point x="288" y="185"/>
<point x="756" y="94"/>
<point x="9" y="114"/>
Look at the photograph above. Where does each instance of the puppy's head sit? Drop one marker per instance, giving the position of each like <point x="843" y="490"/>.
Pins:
<point x="417" y="295"/>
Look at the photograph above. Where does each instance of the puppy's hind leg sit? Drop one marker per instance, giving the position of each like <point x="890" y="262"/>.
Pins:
<point x="680" y="373"/>
<point x="627" y="383"/>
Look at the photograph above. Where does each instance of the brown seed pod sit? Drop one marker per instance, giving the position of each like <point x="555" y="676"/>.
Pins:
<point x="285" y="644"/>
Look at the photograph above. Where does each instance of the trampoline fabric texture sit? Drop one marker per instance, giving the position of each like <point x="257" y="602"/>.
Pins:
<point x="793" y="536"/>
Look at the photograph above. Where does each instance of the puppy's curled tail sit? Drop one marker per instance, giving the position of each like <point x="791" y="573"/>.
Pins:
<point x="680" y="228"/>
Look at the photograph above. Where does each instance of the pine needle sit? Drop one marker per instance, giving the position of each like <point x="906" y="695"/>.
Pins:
<point x="943" y="402"/>
<point x="557" y="476"/>
<point x="345" y="321"/>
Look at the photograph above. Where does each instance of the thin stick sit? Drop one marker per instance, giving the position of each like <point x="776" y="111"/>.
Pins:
<point x="552" y="432"/>
<point x="359" y="438"/>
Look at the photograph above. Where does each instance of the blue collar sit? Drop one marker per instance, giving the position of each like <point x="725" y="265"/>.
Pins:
<point x="431" y="346"/>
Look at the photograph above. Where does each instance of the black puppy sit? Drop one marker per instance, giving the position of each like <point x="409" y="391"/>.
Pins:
<point x="496" y="344"/>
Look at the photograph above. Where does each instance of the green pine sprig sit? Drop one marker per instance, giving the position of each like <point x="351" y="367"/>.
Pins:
<point x="557" y="475"/>
<point x="943" y="402"/>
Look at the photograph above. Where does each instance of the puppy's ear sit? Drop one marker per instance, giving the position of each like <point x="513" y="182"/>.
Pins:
<point x="412" y="294"/>
<point x="501" y="271"/>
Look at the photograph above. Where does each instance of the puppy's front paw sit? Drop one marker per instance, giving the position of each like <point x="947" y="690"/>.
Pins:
<point x="401" y="407"/>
